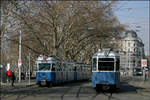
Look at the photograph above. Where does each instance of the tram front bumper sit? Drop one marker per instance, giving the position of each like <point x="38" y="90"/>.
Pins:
<point x="43" y="76"/>
<point x="107" y="78"/>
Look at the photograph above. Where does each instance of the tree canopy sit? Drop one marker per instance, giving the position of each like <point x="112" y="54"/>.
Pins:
<point x="69" y="29"/>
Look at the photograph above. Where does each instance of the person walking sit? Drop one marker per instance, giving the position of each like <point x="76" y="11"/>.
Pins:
<point x="9" y="73"/>
<point x="13" y="78"/>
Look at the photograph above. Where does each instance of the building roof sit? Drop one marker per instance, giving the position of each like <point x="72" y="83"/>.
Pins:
<point x="131" y="35"/>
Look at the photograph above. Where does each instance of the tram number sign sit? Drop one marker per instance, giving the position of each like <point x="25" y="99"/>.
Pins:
<point x="144" y="62"/>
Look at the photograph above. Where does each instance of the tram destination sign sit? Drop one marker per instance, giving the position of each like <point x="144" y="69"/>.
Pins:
<point x="144" y="62"/>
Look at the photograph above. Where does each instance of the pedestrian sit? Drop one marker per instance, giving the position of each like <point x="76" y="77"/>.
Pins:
<point x="13" y="78"/>
<point x="9" y="73"/>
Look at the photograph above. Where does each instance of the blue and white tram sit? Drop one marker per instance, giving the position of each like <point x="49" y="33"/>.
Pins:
<point x="105" y="70"/>
<point x="52" y="70"/>
<point x="46" y="67"/>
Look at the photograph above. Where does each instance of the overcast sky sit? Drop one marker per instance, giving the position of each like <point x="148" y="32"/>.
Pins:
<point x="135" y="14"/>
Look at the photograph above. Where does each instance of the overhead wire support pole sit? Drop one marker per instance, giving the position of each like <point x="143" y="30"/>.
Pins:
<point x="19" y="61"/>
<point x="29" y="68"/>
<point x="1" y="58"/>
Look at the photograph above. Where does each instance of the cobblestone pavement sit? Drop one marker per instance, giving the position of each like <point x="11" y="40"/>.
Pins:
<point x="132" y="88"/>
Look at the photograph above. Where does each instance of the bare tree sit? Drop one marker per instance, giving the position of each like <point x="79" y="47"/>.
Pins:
<point x="73" y="28"/>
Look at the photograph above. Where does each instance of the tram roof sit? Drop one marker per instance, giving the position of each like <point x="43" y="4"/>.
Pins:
<point x="47" y="58"/>
<point x="105" y="54"/>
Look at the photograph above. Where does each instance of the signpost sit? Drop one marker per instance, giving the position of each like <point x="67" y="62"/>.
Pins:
<point x="144" y="62"/>
<point x="19" y="67"/>
<point x="29" y="68"/>
<point x="19" y="60"/>
<point x="144" y="65"/>
<point x="8" y="66"/>
<point x="19" y="63"/>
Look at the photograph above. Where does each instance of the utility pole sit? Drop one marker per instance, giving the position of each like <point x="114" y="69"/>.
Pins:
<point x="29" y="68"/>
<point x="19" y="60"/>
<point x="1" y="66"/>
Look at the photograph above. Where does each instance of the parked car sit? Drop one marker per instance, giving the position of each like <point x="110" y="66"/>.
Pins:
<point x="138" y="73"/>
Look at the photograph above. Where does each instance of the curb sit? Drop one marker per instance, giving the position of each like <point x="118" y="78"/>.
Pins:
<point x="20" y="84"/>
<point x="30" y="85"/>
<point x="144" y="93"/>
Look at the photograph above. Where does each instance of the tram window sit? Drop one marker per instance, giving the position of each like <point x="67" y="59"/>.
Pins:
<point x="59" y="67"/>
<point x="106" y="64"/>
<point x="106" y="59"/>
<point x="94" y="63"/>
<point x="64" y="67"/>
<point x="44" y="66"/>
<point x="81" y="68"/>
<point x="117" y="64"/>
<point x="75" y="68"/>
<point x="53" y="67"/>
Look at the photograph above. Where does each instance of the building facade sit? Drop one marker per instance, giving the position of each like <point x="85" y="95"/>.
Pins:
<point x="132" y="51"/>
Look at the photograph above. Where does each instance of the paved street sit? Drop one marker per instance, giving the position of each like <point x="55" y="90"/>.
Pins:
<point x="131" y="89"/>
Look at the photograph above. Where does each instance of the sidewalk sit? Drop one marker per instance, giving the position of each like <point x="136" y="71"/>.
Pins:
<point x="146" y="83"/>
<point x="146" y="87"/>
<point x="22" y="83"/>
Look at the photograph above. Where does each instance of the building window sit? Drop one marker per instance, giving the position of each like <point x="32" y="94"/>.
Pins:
<point x="129" y="44"/>
<point x="128" y="50"/>
<point x="134" y="50"/>
<point x="94" y="63"/>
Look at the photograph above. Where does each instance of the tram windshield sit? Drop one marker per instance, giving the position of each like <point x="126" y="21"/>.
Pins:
<point x="94" y="63"/>
<point x="44" y="66"/>
<point x="106" y="64"/>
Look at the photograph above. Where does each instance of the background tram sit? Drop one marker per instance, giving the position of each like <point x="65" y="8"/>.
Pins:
<point x="52" y="70"/>
<point x="105" y="70"/>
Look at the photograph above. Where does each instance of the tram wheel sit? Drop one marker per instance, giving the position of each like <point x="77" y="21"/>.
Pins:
<point x="39" y="84"/>
<point x="105" y="87"/>
<point x="49" y="84"/>
<point x="98" y="88"/>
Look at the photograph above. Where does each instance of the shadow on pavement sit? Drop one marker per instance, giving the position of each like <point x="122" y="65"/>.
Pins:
<point x="127" y="88"/>
<point x="77" y="89"/>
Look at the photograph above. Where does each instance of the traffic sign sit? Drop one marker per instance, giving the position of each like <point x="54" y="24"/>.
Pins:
<point x="8" y="66"/>
<point x="19" y="62"/>
<point x="144" y="62"/>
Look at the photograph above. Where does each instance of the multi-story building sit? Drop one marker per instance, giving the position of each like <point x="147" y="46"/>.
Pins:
<point x="131" y="53"/>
